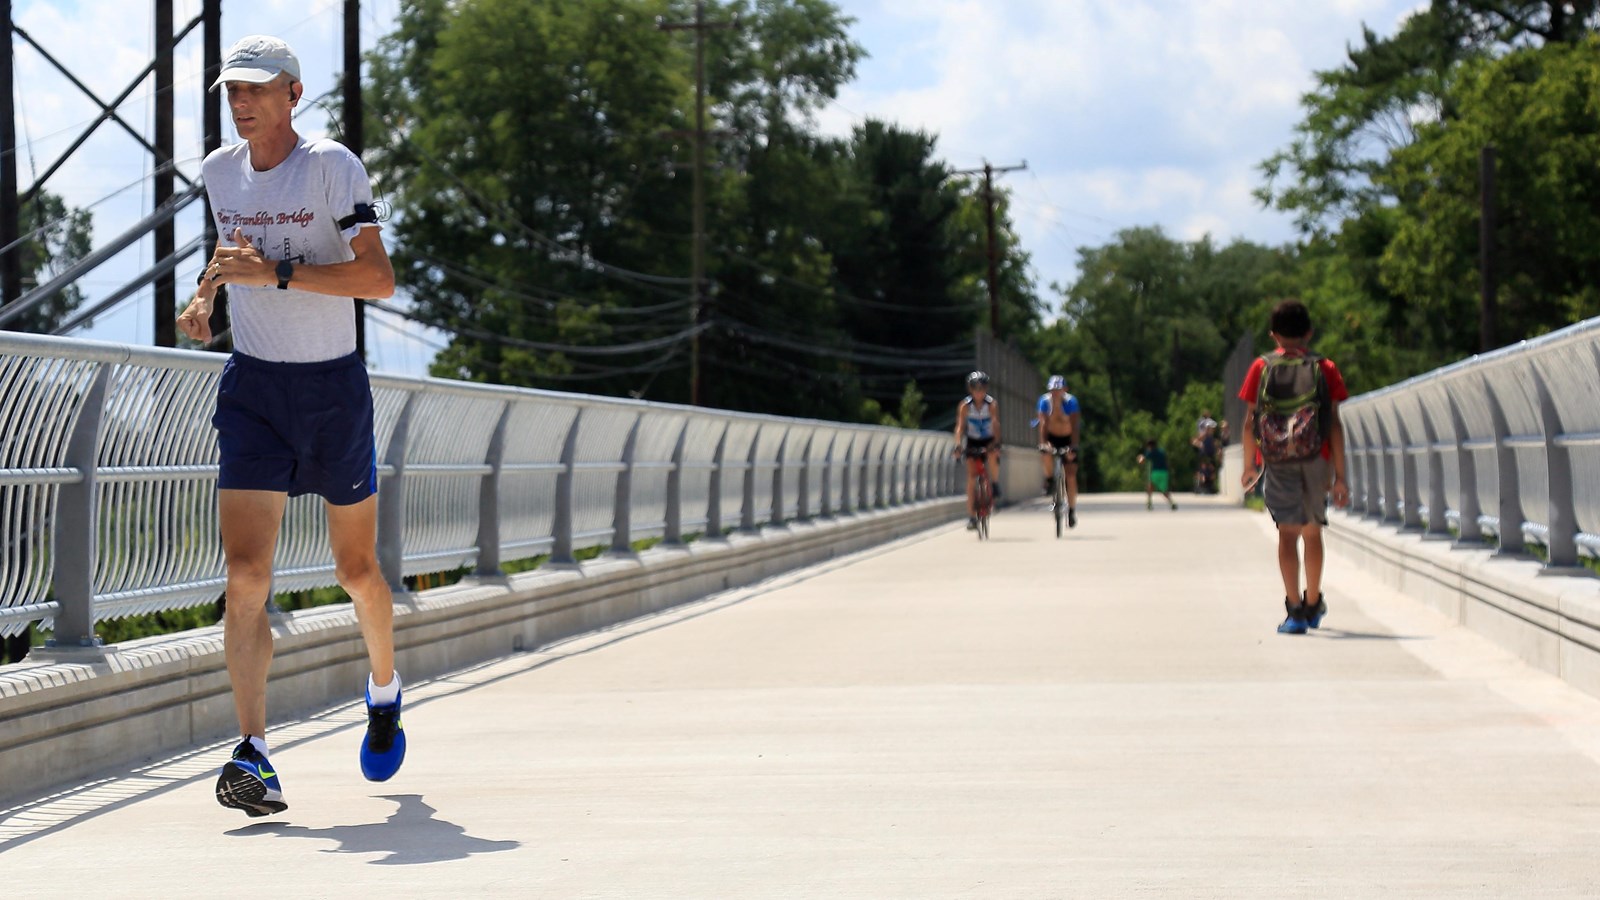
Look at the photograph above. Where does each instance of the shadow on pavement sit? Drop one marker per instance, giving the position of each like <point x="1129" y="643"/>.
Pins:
<point x="412" y="835"/>
<point x="1336" y="634"/>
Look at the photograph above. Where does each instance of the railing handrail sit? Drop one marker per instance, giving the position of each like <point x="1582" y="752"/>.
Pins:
<point x="108" y="453"/>
<point x="1489" y="445"/>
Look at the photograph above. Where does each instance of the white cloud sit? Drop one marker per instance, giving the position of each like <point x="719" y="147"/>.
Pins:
<point x="1134" y="113"/>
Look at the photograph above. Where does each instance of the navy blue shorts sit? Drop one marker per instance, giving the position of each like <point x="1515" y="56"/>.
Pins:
<point x="297" y="428"/>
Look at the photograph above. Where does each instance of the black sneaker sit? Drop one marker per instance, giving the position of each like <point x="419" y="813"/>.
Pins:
<point x="249" y="782"/>
<point x="972" y="523"/>
<point x="1072" y="517"/>
<point x="1314" y="611"/>
<point x="1295" y="620"/>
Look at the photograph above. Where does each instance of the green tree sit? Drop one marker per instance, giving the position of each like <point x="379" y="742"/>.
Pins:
<point x="1541" y="108"/>
<point x="524" y="143"/>
<point x="60" y="236"/>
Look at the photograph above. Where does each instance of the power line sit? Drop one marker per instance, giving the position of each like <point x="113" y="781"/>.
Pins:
<point x="542" y="346"/>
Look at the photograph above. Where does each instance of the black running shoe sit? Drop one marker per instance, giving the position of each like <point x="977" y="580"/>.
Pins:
<point x="1314" y="611"/>
<point x="249" y="782"/>
<point x="1072" y="517"/>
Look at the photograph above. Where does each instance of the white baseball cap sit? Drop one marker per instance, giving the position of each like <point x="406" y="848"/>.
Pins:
<point x="258" y="59"/>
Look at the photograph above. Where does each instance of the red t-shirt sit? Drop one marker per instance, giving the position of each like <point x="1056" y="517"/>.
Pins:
<point x="1337" y="392"/>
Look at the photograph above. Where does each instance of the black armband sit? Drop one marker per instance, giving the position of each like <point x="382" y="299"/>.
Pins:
<point x="363" y="215"/>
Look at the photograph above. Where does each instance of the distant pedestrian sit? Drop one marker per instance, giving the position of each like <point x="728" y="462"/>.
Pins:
<point x="1292" y="397"/>
<point x="1157" y="474"/>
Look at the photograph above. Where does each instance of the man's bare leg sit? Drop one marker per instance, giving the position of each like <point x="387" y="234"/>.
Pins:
<point x="249" y="522"/>
<point x="353" y="532"/>
<point x="1313" y="536"/>
<point x="1289" y="560"/>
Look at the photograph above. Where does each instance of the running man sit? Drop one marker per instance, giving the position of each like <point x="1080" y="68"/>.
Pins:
<point x="977" y="424"/>
<point x="1157" y="475"/>
<point x="294" y="408"/>
<point x="1059" y="425"/>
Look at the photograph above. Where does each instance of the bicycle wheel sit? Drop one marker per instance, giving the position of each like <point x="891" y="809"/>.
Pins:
<point x="1058" y="493"/>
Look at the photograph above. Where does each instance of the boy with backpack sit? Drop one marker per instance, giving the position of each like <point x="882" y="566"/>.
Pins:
<point x="1292" y="397"/>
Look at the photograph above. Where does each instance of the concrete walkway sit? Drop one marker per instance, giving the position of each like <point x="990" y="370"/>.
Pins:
<point x="1110" y="715"/>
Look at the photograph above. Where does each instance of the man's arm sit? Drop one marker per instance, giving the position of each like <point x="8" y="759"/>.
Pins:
<point x="1248" y="443"/>
<point x="961" y="423"/>
<point x="1341" y="488"/>
<point x="195" y="321"/>
<point x="1077" y="428"/>
<point x="369" y="275"/>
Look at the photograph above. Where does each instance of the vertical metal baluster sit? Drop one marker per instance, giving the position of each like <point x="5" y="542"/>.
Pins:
<point x="77" y="524"/>
<point x="777" y="480"/>
<point x="622" y="507"/>
<point x="392" y="501"/>
<point x="747" y="509"/>
<point x="566" y="486"/>
<point x="1562" y="539"/>
<point x="488" y="567"/>
<point x="1510" y="506"/>
<point x="674" y="530"/>
<point x="714" y="488"/>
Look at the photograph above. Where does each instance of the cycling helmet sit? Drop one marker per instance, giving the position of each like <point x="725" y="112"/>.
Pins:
<point x="1056" y="383"/>
<point x="977" y="378"/>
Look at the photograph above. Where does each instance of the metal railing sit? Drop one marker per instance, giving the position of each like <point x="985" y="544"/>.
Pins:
<point x="1503" y="445"/>
<point x="108" y="468"/>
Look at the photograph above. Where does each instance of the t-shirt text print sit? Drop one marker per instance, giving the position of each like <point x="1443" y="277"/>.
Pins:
<point x="291" y="211"/>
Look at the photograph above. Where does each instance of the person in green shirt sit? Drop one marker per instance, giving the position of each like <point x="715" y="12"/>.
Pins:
<point x="1157" y="475"/>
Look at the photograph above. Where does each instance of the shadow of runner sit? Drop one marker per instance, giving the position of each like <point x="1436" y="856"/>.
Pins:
<point x="412" y="835"/>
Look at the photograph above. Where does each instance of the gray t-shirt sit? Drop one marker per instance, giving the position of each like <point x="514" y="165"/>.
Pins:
<point x="291" y="211"/>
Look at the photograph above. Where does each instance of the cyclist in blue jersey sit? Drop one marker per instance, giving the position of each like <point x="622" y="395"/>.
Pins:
<point x="977" y="424"/>
<point x="1060" y="423"/>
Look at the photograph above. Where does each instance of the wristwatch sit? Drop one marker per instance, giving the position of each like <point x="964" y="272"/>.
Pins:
<point x="285" y="272"/>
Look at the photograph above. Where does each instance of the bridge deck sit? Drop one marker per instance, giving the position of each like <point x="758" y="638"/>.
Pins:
<point x="1110" y="715"/>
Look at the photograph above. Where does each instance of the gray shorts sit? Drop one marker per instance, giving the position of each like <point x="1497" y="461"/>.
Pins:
<point x="1297" y="492"/>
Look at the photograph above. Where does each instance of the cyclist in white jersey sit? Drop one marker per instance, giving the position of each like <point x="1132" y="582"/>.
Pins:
<point x="1060" y="425"/>
<point x="977" y="424"/>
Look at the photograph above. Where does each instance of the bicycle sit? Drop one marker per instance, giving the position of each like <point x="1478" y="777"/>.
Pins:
<point x="1058" y="482"/>
<point x="982" y="489"/>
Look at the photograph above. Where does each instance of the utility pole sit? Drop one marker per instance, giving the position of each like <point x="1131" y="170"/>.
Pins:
<point x="353" y="136"/>
<point x="1487" y="288"/>
<point x="993" y="242"/>
<point x="699" y="135"/>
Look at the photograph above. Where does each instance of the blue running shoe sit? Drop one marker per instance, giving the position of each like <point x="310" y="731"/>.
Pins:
<point x="249" y="782"/>
<point x="384" y="747"/>
<point x="1295" y="621"/>
<point x="1314" y="612"/>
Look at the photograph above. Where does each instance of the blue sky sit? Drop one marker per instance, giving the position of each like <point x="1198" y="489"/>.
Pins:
<point x="1136" y="112"/>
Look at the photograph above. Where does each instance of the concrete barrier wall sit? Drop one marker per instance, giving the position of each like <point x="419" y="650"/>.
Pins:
<point x="66" y="720"/>
<point x="1551" y="621"/>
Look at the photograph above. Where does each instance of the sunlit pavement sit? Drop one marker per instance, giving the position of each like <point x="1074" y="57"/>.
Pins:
<point x="1106" y="715"/>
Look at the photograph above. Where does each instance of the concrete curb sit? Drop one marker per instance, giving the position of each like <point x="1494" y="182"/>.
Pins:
<point x="63" y="720"/>
<point x="1549" y="620"/>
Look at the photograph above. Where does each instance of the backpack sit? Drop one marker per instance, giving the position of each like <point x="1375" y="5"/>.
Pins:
<point x="1293" y="410"/>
